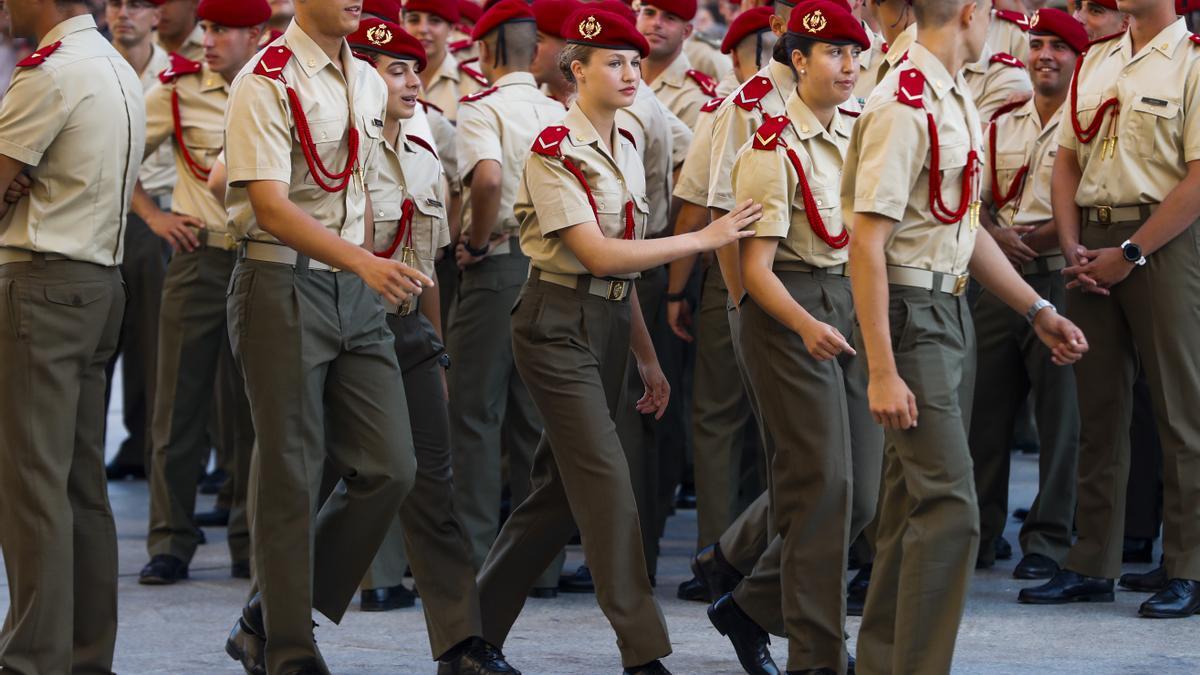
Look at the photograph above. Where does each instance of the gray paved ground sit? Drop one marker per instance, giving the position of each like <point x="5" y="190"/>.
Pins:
<point x="181" y="629"/>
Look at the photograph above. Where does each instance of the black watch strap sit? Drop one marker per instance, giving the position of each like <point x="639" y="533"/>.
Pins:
<point x="476" y="252"/>
<point x="676" y="297"/>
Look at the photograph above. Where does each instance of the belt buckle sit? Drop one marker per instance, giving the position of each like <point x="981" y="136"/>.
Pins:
<point x="1104" y="214"/>
<point x="960" y="284"/>
<point x="616" y="290"/>
<point x="230" y="241"/>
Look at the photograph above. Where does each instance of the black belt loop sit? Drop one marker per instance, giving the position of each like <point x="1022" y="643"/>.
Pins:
<point x="301" y="264"/>
<point x="39" y="261"/>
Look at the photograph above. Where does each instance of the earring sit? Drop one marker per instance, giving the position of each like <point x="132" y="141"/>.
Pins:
<point x="803" y="71"/>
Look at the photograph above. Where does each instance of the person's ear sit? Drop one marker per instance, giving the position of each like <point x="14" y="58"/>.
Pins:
<point x="778" y="25"/>
<point x="799" y="61"/>
<point x="687" y="30"/>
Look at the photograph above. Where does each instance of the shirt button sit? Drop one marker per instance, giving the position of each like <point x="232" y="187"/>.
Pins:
<point x="820" y="203"/>
<point x="381" y="214"/>
<point x="600" y="204"/>
<point x="324" y="135"/>
<point x="804" y="129"/>
<point x="312" y="62"/>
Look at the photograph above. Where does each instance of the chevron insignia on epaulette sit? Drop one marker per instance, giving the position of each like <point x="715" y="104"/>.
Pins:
<point x="473" y="74"/>
<point x="547" y="143"/>
<point x="1017" y="18"/>
<point x="272" y="62"/>
<point x="748" y="97"/>
<point x="39" y="57"/>
<point x="484" y="93"/>
<point x="712" y="105"/>
<point x="706" y="83"/>
<point x="1007" y="59"/>
<point x="179" y="67"/>
<point x="911" y="91"/>
<point x="767" y="136"/>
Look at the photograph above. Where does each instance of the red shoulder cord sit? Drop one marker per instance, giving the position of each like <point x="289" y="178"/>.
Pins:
<point x="193" y="166"/>
<point x="315" y="166"/>
<point x="810" y="208"/>
<point x="970" y="172"/>
<point x="1018" y="182"/>
<point x="575" y="171"/>
<point x="403" y="232"/>
<point x="1085" y="135"/>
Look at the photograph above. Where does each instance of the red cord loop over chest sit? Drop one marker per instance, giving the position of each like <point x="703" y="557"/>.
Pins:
<point x="815" y="221"/>
<point x="1014" y="188"/>
<point x="936" y="204"/>
<point x="1082" y="133"/>
<point x="337" y="182"/>
<point x="200" y="172"/>
<point x="403" y="231"/>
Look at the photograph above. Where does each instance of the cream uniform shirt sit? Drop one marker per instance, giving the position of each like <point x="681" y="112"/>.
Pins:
<point x="158" y="168"/>
<point x="77" y="118"/>
<point x="1158" y="128"/>
<point x="894" y="54"/>
<point x="770" y="179"/>
<point x="887" y="166"/>
<point x="1022" y="141"/>
<point x="551" y="197"/>
<point x="662" y="140"/>
<point x="192" y="48"/>
<point x="868" y="66"/>
<point x="202" y="100"/>
<point x="1008" y="37"/>
<point x="993" y="82"/>
<point x="692" y="186"/>
<point x="501" y="126"/>
<point x="410" y="172"/>
<point x="261" y="139"/>
<point x="706" y="57"/>
<point x="681" y="93"/>
<point x="448" y="85"/>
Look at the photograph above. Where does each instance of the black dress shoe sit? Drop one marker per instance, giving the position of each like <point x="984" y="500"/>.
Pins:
<point x="212" y="483"/>
<point x="543" y="593"/>
<point x="240" y="569"/>
<point x="693" y="590"/>
<point x="1067" y="586"/>
<point x="749" y="639"/>
<point x="856" y="591"/>
<point x="474" y="656"/>
<point x="386" y="599"/>
<point x="1147" y="582"/>
<point x="711" y="568"/>
<point x="163" y="570"/>
<point x="214" y="518"/>
<point x="655" y="667"/>
<point x="579" y="582"/>
<point x="1179" y="600"/>
<point x="1035" y="566"/>
<point x="247" y="641"/>
<point x="115" y="471"/>
<point x="1137" y="550"/>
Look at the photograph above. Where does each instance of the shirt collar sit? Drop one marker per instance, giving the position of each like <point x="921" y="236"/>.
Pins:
<point x="74" y="24"/>
<point x="309" y="56"/>
<point x="211" y="80"/>
<point x="782" y="77"/>
<point x="904" y="42"/>
<point x="517" y="77"/>
<point x="805" y="123"/>
<point x="865" y="59"/>
<point x="583" y="133"/>
<point x="936" y="75"/>
<point x="448" y="69"/>
<point x="983" y="62"/>
<point x="1165" y="43"/>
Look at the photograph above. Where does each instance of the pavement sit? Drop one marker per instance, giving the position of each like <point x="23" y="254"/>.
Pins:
<point x="182" y="628"/>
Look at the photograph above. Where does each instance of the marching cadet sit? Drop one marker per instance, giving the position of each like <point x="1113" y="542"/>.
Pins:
<point x="683" y="89"/>
<point x="408" y="205"/>
<point x="796" y="326"/>
<point x="1101" y="18"/>
<point x="720" y="401"/>
<point x="71" y="127"/>
<point x="490" y="408"/>
<point x="913" y="205"/>
<point x="581" y="205"/>
<point x="144" y="264"/>
<point x="187" y="112"/>
<point x="178" y="31"/>
<point x="309" y="332"/>
<point x="1125" y="185"/>
<point x="1011" y="362"/>
<point x="446" y="80"/>
<point x="550" y="15"/>
<point x="996" y="79"/>
<point x="1007" y="32"/>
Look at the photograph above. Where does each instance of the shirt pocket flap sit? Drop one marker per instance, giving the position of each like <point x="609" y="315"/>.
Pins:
<point x="76" y="295"/>
<point x="608" y="201"/>
<point x="327" y="131"/>
<point x="204" y="139"/>
<point x="825" y="198"/>
<point x="430" y="206"/>
<point x="1159" y="107"/>
<point x="642" y="204"/>
<point x="952" y="156"/>
<point x="385" y="210"/>
<point x="1010" y="161"/>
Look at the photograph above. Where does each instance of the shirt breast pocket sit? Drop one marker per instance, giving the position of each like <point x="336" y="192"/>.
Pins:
<point x="428" y="217"/>
<point x="1153" y="120"/>
<point x="328" y="136"/>
<point x="609" y="209"/>
<point x="204" y="144"/>
<point x="386" y="212"/>
<point x="952" y="161"/>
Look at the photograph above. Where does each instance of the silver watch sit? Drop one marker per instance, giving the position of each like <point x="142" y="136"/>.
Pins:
<point x="1032" y="312"/>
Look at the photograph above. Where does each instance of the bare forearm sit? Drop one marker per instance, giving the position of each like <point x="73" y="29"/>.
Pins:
<point x="282" y="219"/>
<point x="1175" y="215"/>
<point x="868" y="282"/>
<point x="639" y="336"/>
<point x="1064" y="184"/>
<point x="454" y="209"/>
<point x="622" y="256"/>
<point x="143" y="204"/>
<point x="431" y="307"/>
<point x="772" y="296"/>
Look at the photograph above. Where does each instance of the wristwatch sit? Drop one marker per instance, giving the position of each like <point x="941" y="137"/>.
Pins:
<point x="1132" y="253"/>
<point x="476" y="252"/>
<point x="1032" y="312"/>
<point x="676" y="297"/>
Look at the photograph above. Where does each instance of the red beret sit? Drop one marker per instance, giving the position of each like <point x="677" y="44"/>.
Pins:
<point x="684" y="9"/>
<point x="603" y="29"/>
<point x="1049" y="21"/>
<point x="388" y="10"/>
<point x="387" y="38"/>
<point x="551" y="14"/>
<point x="747" y="23"/>
<point x="505" y="11"/>
<point x="234" y="13"/>
<point x="1108" y="4"/>
<point x="826" y="21"/>
<point x="469" y="11"/>
<point x="619" y="8"/>
<point x="444" y="8"/>
<point x="1185" y="6"/>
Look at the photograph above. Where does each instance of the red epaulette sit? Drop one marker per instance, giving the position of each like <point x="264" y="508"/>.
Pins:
<point x="179" y="67"/>
<point x="712" y="105"/>
<point x="628" y="136"/>
<point x="423" y="143"/>
<point x="427" y="106"/>
<point x="911" y="91"/>
<point x="749" y="95"/>
<point x="460" y="45"/>
<point x="1194" y="38"/>
<point x="473" y="74"/>
<point x="1006" y="108"/>
<point x="1017" y="18"/>
<point x="470" y="98"/>
<point x="39" y="57"/>
<point x="272" y="62"/>
<point x="767" y="136"/>
<point x="850" y="113"/>
<point x="274" y="35"/>
<point x="706" y="83"/>
<point x="547" y="143"/>
<point x="1007" y="59"/>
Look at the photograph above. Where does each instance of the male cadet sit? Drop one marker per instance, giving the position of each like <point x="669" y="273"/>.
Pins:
<point x="178" y="32"/>
<point x="187" y="113"/>
<point x="444" y="80"/>
<point x="550" y="15"/>
<point x="1102" y="18"/>
<point x="683" y="89"/>
<point x="915" y="233"/>
<point x="282" y="12"/>
<point x="144" y="264"/>
<point x="71" y="126"/>
<point x="303" y="128"/>
<point x="490" y="409"/>
<point x="720" y="402"/>
<point x="1126" y="184"/>
<point x="995" y="79"/>
<point x="1007" y="33"/>
<point x="1011" y="362"/>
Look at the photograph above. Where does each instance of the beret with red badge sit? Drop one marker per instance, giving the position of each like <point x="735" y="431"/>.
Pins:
<point x="552" y="14"/>
<point x="603" y="29"/>
<point x="749" y="22"/>
<point x="376" y="36"/>
<point x="826" y="21"/>
<point x="684" y="9"/>
<point x="234" y="13"/>
<point x="505" y="11"/>
<point x="388" y="10"/>
<point x="469" y="11"/>
<point x="1049" y="21"/>
<point x="446" y="9"/>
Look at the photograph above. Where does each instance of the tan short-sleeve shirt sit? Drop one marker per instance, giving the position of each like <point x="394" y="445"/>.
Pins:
<point x="992" y="82"/>
<point x="202" y="100"/>
<point x="1022" y="141"/>
<point x="192" y="47"/>
<point x="1158" y="128"/>
<point x="894" y="54"/>
<point x="1006" y="37"/>
<point x="706" y="57"/>
<point x="868" y="66"/>
<point x="551" y="198"/>
<point x="887" y="165"/>
<point x="662" y="141"/>
<point x="692" y="186"/>
<point x="77" y="117"/>
<point x="429" y="123"/>
<point x="501" y="126"/>
<point x="408" y="171"/>
<point x="769" y="178"/>
<point x="158" y="169"/>
<point x="448" y="85"/>
<point x="261" y="141"/>
<point x="680" y="92"/>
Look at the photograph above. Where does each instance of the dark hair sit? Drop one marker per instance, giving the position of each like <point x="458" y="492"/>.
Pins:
<point x="789" y="43"/>
<point x="571" y="53"/>
<point x="513" y="44"/>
